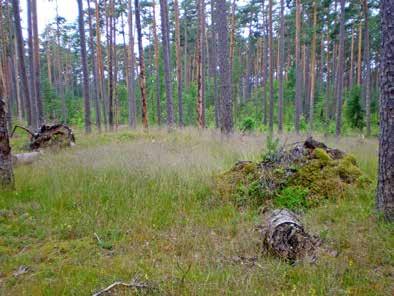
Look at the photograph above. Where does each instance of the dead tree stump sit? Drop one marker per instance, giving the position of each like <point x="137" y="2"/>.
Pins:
<point x="284" y="236"/>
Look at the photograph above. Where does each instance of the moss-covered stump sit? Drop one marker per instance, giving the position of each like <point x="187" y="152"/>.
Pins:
<point x="301" y="176"/>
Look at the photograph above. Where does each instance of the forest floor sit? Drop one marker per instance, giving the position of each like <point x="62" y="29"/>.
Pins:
<point x="148" y="198"/>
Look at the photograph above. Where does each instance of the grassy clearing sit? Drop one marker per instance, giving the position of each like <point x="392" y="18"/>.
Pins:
<point x="149" y="197"/>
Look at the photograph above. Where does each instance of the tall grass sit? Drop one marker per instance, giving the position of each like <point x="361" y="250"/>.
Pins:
<point x="149" y="198"/>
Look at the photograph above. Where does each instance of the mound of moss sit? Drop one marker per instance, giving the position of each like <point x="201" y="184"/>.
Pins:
<point x="301" y="176"/>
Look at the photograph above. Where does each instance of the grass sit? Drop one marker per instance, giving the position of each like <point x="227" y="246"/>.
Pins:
<point x="149" y="198"/>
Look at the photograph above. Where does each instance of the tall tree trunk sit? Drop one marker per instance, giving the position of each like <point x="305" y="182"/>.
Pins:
<point x="157" y="67"/>
<point x="95" y="91"/>
<point x="264" y="67"/>
<point x="100" y="65"/>
<point x="130" y="72"/>
<point x="213" y="64"/>
<point x="6" y="172"/>
<point x="36" y="59"/>
<point x="385" y="192"/>
<point x="224" y="68"/>
<point x="313" y="70"/>
<point x="359" y="65"/>
<point x="339" y="76"/>
<point x="200" y="64"/>
<point x="351" y="61"/>
<point x="21" y="58"/>
<point x="85" y="73"/>
<point x="367" y="63"/>
<point x="142" y="78"/>
<point x="232" y="32"/>
<point x="59" y="65"/>
<point x="281" y="61"/>
<point x="178" y="62"/>
<point x="298" y="67"/>
<point x="110" y="59"/>
<point x="32" y="71"/>
<point x="167" y="61"/>
<point x="271" y="68"/>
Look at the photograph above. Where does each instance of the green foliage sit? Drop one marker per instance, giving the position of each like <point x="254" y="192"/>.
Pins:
<point x="293" y="198"/>
<point x="354" y="111"/>
<point x="271" y="149"/>
<point x="248" y="124"/>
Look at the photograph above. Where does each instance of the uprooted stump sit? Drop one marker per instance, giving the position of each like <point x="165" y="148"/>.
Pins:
<point x="300" y="175"/>
<point x="49" y="136"/>
<point x="284" y="236"/>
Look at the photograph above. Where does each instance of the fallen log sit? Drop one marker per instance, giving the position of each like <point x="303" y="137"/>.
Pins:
<point x="49" y="136"/>
<point x="284" y="236"/>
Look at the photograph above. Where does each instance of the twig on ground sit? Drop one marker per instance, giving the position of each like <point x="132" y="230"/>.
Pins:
<point x="133" y="284"/>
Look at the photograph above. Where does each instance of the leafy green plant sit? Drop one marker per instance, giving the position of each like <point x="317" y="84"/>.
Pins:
<point x="292" y="198"/>
<point x="248" y="124"/>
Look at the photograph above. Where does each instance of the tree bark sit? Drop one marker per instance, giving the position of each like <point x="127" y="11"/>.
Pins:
<point x="224" y="68"/>
<point x="7" y="181"/>
<point x="281" y="61"/>
<point x="100" y="65"/>
<point x="179" y="63"/>
<point x="32" y="71"/>
<point x="313" y="70"/>
<point x="367" y="63"/>
<point x="298" y="67"/>
<point x="157" y="68"/>
<point x="271" y="68"/>
<point x="94" y="70"/>
<point x="130" y="72"/>
<point x="142" y="79"/>
<point x="200" y="64"/>
<point x="339" y="76"/>
<point x="36" y="60"/>
<point x="21" y="58"/>
<point x="85" y="73"/>
<point x="167" y="61"/>
<point x="385" y="192"/>
<point x="360" y="37"/>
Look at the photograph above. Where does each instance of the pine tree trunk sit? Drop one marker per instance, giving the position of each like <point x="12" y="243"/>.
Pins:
<point x="85" y="73"/>
<point x="313" y="70"/>
<point x="32" y="71"/>
<point x="281" y="61"/>
<point x="339" y="76"/>
<point x="360" y="38"/>
<point x="213" y="63"/>
<point x="167" y="61"/>
<point x="36" y="60"/>
<point x="157" y="69"/>
<point x="130" y="72"/>
<point x="95" y="91"/>
<point x="224" y="68"/>
<point x="142" y="79"/>
<point x="385" y="192"/>
<point x="178" y="63"/>
<point x="271" y="67"/>
<point x="298" y="67"/>
<point x="21" y="58"/>
<point x="351" y="61"/>
<point x="110" y="59"/>
<point x="100" y="65"/>
<point x="6" y="172"/>
<point x="367" y="80"/>
<point x="200" y="64"/>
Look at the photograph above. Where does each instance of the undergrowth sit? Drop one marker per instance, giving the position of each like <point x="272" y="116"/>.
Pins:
<point x="148" y="197"/>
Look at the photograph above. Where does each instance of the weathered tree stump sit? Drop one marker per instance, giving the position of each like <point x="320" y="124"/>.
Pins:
<point x="49" y="136"/>
<point x="284" y="236"/>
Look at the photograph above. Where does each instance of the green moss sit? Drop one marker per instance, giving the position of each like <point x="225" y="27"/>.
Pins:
<point x="321" y="154"/>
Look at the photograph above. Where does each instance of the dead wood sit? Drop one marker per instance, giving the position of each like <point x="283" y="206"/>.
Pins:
<point x="134" y="284"/>
<point x="49" y="136"/>
<point x="284" y="236"/>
